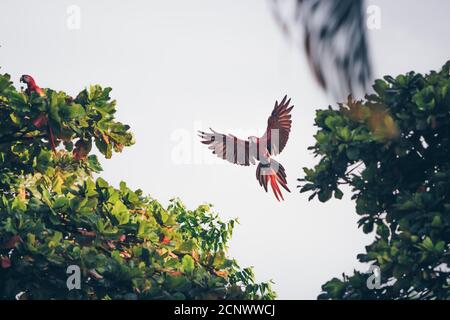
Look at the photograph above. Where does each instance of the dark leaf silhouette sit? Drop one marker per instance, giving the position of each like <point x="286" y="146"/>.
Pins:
<point x="335" y="42"/>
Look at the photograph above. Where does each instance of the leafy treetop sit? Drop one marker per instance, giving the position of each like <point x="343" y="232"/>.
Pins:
<point x="393" y="150"/>
<point x="54" y="214"/>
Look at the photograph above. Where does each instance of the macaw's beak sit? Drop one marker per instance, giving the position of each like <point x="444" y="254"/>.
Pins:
<point x="22" y="79"/>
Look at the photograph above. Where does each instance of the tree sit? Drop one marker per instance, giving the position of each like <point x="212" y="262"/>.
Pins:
<point x="55" y="217"/>
<point x="393" y="150"/>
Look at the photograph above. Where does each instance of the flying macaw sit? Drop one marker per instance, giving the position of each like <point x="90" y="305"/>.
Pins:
<point x="42" y="119"/>
<point x="246" y="152"/>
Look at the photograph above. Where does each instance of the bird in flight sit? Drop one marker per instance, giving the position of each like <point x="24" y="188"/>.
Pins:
<point x="261" y="149"/>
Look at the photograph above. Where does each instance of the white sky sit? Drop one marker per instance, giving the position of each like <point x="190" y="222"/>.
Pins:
<point x="176" y="66"/>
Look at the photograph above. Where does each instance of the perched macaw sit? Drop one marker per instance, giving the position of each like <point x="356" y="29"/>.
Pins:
<point x="31" y="85"/>
<point x="246" y="152"/>
<point x="42" y="119"/>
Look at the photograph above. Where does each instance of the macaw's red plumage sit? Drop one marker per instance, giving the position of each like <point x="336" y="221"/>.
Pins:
<point x="5" y="262"/>
<point x="246" y="152"/>
<point x="31" y="85"/>
<point x="42" y="119"/>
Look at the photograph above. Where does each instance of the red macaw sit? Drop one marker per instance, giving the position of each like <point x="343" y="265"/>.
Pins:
<point x="31" y="85"/>
<point x="246" y="152"/>
<point x="42" y="119"/>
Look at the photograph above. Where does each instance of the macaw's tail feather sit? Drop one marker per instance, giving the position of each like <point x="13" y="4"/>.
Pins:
<point x="52" y="138"/>
<point x="273" y="173"/>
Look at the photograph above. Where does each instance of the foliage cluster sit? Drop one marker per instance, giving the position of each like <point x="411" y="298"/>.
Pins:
<point x="393" y="150"/>
<point x="54" y="213"/>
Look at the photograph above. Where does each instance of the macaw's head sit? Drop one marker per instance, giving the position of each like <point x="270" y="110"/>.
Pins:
<point x="31" y="85"/>
<point x="27" y="80"/>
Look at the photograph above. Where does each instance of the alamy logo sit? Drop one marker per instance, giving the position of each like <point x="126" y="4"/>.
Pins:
<point x="373" y="17"/>
<point x="74" y="279"/>
<point x="74" y="17"/>
<point x="374" y="280"/>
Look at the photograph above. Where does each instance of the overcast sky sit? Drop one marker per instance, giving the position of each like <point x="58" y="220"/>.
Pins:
<point x="177" y="66"/>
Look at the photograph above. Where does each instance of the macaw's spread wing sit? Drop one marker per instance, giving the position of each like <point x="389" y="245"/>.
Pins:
<point x="228" y="147"/>
<point x="278" y="127"/>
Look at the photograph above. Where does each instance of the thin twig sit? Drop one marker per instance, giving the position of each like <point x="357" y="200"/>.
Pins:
<point x="355" y="167"/>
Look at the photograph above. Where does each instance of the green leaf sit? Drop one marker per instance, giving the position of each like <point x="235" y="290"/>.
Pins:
<point x="60" y="203"/>
<point x="325" y="195"/>
<point x="121" y="212"/>
<point x="338" y="194"/>
<point x="71" y="112"/>
<point x="188" y="264"/>
<point x="427" y="244"/>
<point x="102" y="184"/>
<point x="352" y="153"/>
<point x="188" y="246"/>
